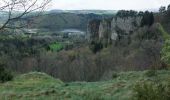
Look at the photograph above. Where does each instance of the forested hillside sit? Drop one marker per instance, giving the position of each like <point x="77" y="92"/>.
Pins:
<point x="59" y="21"/>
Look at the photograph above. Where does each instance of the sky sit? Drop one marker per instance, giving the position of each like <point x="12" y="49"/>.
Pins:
<point x="107" y="4"/>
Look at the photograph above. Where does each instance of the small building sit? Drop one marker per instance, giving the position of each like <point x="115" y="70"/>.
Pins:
<point x="30" y="32"/>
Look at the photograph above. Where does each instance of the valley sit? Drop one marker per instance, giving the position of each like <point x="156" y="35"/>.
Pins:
<point x="83" y="54"/>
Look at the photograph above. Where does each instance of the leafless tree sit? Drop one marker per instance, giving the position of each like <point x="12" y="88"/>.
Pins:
<point x="17" y="9"/>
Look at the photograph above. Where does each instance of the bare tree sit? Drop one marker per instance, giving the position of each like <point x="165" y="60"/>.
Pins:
<point x="17" y="9"/>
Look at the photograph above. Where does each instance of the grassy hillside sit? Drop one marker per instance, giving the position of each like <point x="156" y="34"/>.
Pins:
<point x="39" y="86"/>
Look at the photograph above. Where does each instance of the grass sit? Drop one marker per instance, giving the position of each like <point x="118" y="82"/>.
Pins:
<point x="166" y="47"/>
<point x="164" y="33"/>
<point x="56" y="46"/>
<point x="39" y="86"/>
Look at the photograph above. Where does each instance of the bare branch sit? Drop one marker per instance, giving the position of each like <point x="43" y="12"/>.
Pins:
<point x="25" y="7"/>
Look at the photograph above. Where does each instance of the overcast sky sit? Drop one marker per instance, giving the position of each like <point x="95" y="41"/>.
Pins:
<point x="107" y="4"/>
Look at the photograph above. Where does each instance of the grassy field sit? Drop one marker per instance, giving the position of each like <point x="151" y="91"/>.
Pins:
<point x="39" y="86"/>
<point x="56" y="46"/>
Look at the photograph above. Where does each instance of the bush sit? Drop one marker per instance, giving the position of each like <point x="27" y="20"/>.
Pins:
<point x="92" y="96"/>
<point x="166" y="52"/>
<point x="96" y="46"/>
<point x="151" y="73"/>
<point x="55" y="47"/>
<point x="4" y="74"/>
<point x="151" y="91"/>
<point x="72" y="55"/>
<point x="114" y="75"/>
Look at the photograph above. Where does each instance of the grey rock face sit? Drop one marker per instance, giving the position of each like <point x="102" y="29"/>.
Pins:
<point x="93" y="30"/>
<point x="110" y="30"/>
<point x="105" y="31"/>
<point x="114" y="36"/>
<point x="125" y="25"/>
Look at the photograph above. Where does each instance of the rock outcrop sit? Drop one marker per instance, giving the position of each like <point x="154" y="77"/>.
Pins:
<point x="125" y="25"/>
<point x="93" y="30"/>
<point x="111" y="30"/>
<point x="131" y="45"/>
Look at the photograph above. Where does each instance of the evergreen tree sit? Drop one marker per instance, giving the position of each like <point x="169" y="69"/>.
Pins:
<point x="4" y="74"/>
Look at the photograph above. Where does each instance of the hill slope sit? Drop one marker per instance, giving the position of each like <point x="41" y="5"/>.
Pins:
<point x="60" y="21"/>
<point x="39" y="86"/>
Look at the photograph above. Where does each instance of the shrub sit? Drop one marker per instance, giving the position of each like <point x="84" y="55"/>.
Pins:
<point x="166" y="52"/>
<point x="56" y="47"/>
<point x="4" y="74"/>
<point x="151" y="73"/>
<point x="96" y="46"/>
<point x="72" y="55"/>
<point x="151" y="91"/>
<point x="92" y="96"/>
<point x="114" y="75"/>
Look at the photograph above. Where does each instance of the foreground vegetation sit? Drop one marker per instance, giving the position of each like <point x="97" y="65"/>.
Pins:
<point x="122" y="86"/>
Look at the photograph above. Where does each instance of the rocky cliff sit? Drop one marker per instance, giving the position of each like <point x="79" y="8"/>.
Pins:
<point x="131" y="45"/>
<point x="113" y="29"/>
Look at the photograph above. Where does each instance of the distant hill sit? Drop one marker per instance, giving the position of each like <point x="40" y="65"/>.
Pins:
<point x="112" y="12"/>
<point x="62" y="19"/>
<point x="58" y="21"/>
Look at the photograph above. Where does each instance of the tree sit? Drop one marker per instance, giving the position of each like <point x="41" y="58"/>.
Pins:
<point x="17" y="9"/>
<point x="126" y="13"/>
<point x="148" y="19"/>
<point x="4" y="74"/>
<point x="168" y="8"/>
<point x="162" y="9"/>
<point x="140" y="13"/>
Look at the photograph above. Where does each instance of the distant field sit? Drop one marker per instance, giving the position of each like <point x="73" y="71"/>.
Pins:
<point x="39" y="86"/>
